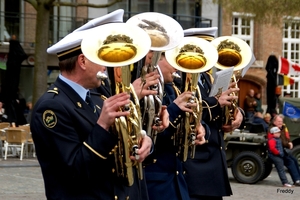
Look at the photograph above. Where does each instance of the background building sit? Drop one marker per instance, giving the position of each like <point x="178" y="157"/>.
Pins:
<point x="18" y="17"/>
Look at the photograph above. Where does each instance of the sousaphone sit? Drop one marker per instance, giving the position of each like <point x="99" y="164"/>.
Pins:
<point x="165" y="34"/>
<point x="117" y="46"/>
<point x="192" y="56"/>
<point x="233" y="52"/>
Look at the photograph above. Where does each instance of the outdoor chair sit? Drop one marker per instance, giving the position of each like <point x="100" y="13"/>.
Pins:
<point x="3" y="126"/>
<point x="16" y="138"/>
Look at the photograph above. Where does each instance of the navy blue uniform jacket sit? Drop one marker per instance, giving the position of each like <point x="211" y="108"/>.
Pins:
<point x="206" y="174"/>
<point x="164" y="172"/>
<point x="73" y="151"/>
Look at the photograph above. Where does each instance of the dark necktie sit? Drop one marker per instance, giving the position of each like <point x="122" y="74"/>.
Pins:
<point x="169" y="95"/>
<point x="89" y="101"/>
<point x="204" y="83"/>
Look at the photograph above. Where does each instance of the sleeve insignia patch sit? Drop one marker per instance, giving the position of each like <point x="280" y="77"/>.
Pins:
<point x="49" y="118"/>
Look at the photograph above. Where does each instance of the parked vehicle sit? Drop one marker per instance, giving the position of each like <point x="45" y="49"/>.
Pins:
<point x="246" y="154"/>
<point x="246" y="150"/>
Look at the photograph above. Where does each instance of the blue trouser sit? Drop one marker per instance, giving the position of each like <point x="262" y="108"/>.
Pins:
<point x="279" y="165"/>
<point x="292" y="164"/>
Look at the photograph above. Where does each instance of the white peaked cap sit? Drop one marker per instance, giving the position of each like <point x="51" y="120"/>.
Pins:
<point x="70" y="45"/>
<point x="201" y="32"/>
<point x="113" y="17"/>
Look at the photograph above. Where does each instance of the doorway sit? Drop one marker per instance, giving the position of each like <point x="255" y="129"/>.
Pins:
<point x="245" y="86"/>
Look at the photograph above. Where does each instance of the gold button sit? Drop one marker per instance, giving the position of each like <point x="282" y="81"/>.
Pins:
<point x="176" y="154"/>
<point x="179" y="116"/>
<point x="172" y="138"/>
<point x="113" y="170"/>
<point x="154" y="160"/>
<point x="127" y="198"/>
<point x="221" y="148"/>
<point x="177" y="172"/>
<point x="116" y="198"/>
<point x="184" y="172"/>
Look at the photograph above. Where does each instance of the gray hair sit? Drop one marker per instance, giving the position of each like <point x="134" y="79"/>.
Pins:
<point x="276" y="116"/>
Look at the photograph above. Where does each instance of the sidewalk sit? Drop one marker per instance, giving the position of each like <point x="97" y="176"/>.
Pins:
<point x="16" y="162"/>
<point x="21" y="179"/>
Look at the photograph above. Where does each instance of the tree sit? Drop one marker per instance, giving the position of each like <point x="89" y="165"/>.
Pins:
<point x="264" y="11"/>
<point x="43" y="9"/>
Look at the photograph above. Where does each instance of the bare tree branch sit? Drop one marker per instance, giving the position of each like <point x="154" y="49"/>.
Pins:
<point x="33" y="3"/>
<point x="85" y="4"/>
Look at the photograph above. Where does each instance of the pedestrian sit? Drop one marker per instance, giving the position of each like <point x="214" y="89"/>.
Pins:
<point x="74" y="140"/>
<point x="276" y="154"/>
<point x="10" y="83"/>
<point x="258" y="119"/>
<point x="258" y="108"/>
<point x="250" y="105"/>
<point x="206" y="174"/>
<point x="163" y="168"/>
<point x="289" y="160"/>
<point x="267" y="118"/>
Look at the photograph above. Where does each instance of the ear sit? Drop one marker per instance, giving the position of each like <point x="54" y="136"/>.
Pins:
<point x="82" y="61"/>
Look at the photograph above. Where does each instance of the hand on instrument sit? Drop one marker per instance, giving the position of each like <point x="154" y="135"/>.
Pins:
<point x="142" y="89"/>
<point x="236" y="123"/>
<point x="182" y="101"/>
<point x="226" y="97"/>
<point x="111" y="109"/>
<point x="200" y="139"/>
<point x="164" y="117"/>
<point x="144" y="150"/>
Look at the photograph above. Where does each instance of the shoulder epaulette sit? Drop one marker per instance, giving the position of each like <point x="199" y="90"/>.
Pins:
<point x="54" y="90"/>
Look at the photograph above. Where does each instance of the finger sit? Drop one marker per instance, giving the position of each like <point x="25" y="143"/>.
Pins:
<point x="119" y="114"/>
<point x="116" y="103"/>
<point x="150" y="82"/>
<point x="227" y="128"/>
<point x="200" y="141"/>
<point x="149" y="92"/>
<point x="159" y="129"/>
<point x="116" y="98"/>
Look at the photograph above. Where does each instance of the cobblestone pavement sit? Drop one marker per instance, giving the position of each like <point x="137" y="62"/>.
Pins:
<point x="268" y="189"/>
<point x="22" y="180"/>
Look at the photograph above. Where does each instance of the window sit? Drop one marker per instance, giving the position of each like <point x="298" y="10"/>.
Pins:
<point x="290" y="51"/>
<point x="242" y="27"/>
<point x="62" y="22"/>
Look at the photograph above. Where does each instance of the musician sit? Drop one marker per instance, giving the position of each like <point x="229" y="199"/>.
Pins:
<point x="163" y="168"/>
<point x="206" y="174"/>
<point x="73" y="139"/>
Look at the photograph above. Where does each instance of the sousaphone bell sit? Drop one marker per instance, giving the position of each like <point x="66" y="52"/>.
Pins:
<point x="165" y="34"/>
<point x="192" y="56"/>
<point x="232" y="52"/>
<point x="117" y="46"/>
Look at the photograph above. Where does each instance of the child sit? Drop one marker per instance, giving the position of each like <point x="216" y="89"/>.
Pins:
<point x="276" y="153"/>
